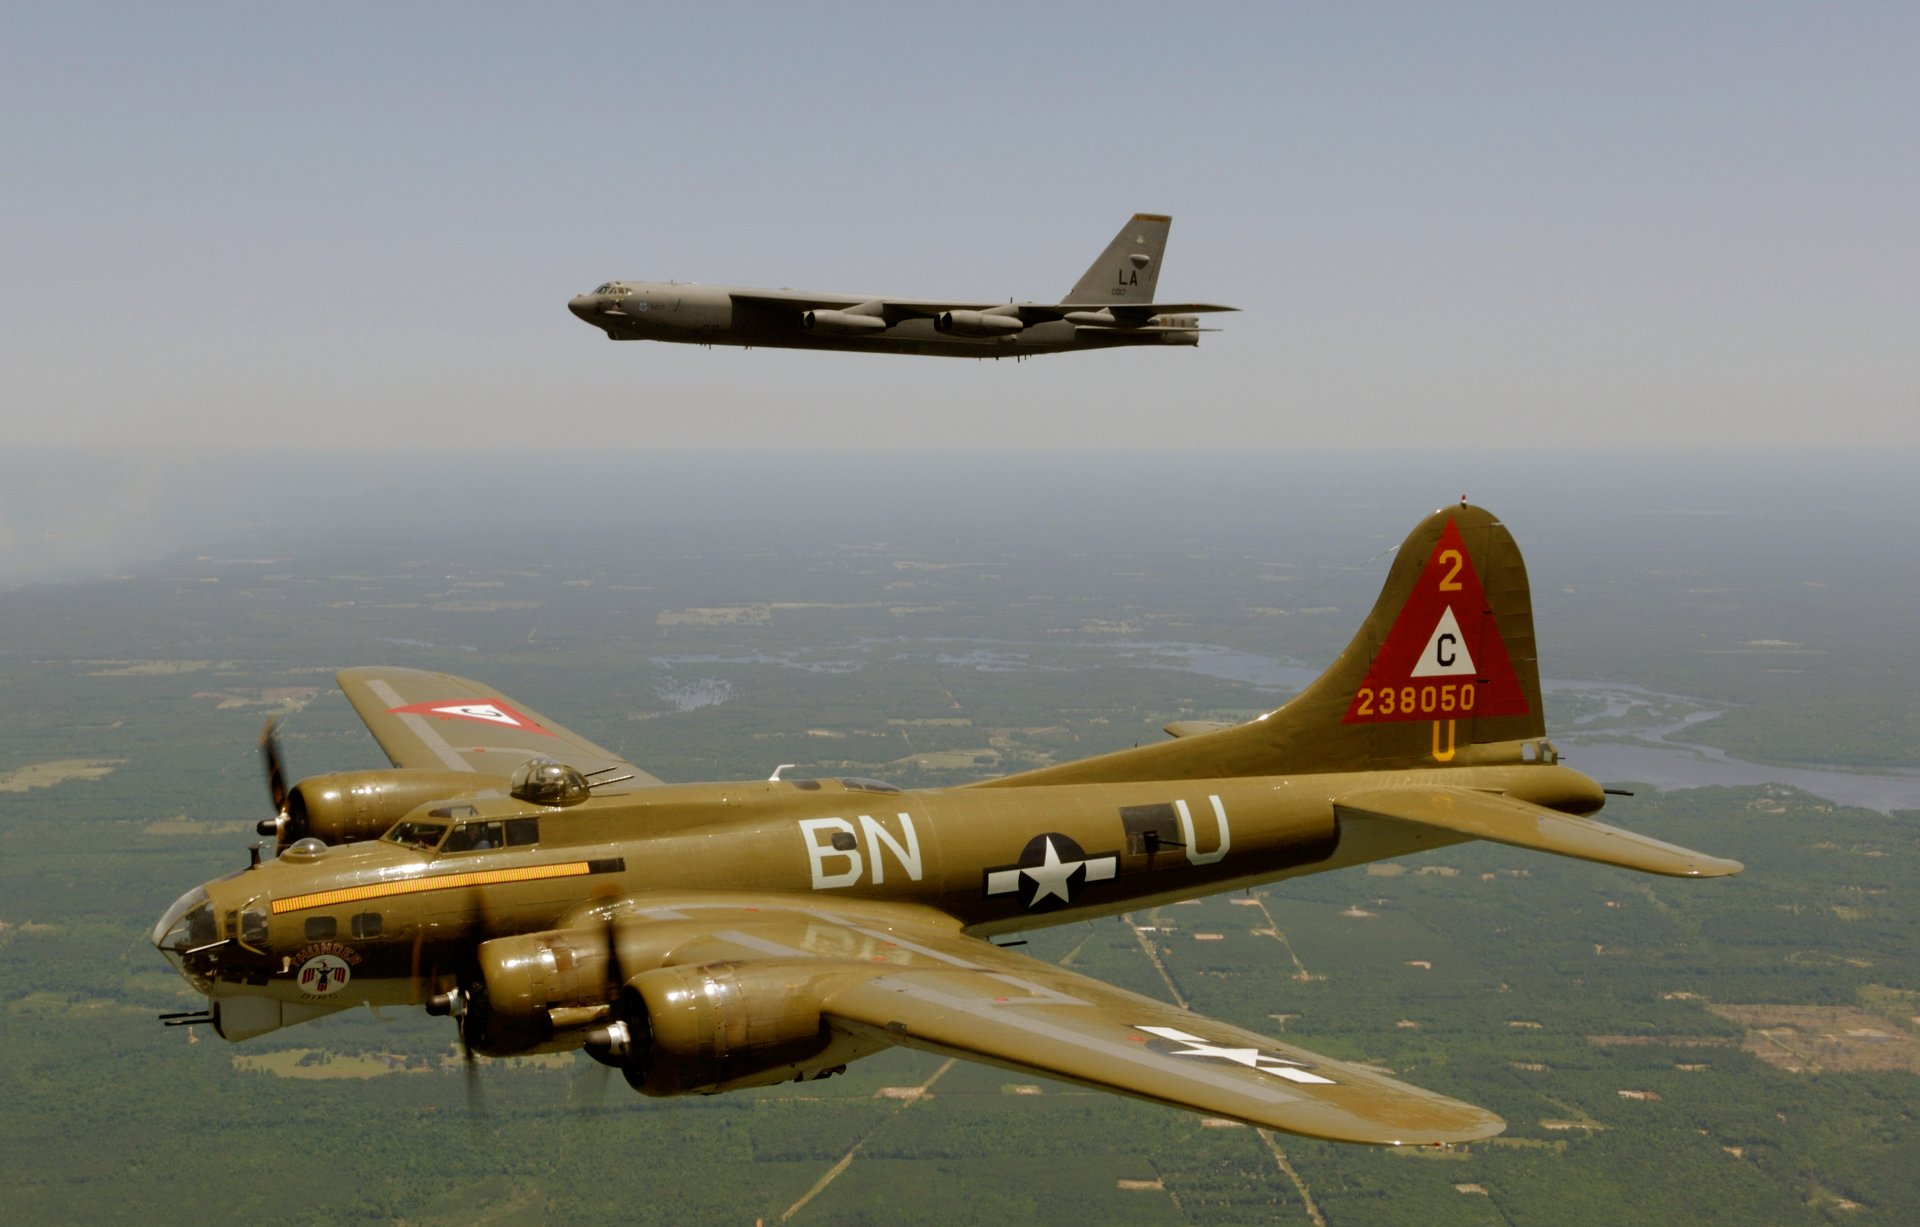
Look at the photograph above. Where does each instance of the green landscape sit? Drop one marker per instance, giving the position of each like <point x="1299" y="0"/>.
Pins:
<point x="1739" y="1051"/>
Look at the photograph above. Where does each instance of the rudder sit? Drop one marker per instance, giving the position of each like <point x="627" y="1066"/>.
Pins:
<point x="1129" y="269"/>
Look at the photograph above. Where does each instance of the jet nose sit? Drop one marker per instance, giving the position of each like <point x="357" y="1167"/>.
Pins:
<point x="586" y="306"/>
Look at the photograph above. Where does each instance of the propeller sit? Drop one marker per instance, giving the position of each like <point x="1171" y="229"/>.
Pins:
<point x="616" y="1044"/>
<point x="276" y="782"/>
<point x="466" y="1004"/>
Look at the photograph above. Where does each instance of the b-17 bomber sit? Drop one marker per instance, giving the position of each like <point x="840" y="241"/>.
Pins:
<point x="1111" y="305"/>
<point x="549" y="896"/>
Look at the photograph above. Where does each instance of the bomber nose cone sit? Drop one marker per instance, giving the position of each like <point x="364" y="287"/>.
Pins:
<point x="585" y="306"/>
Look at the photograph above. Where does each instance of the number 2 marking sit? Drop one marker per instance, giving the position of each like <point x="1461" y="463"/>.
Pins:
<point x="1450" y="582"/>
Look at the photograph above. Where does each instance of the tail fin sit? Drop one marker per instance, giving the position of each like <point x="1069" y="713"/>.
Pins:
<point x="1445" y="662"/>
<point x="1129" y="268"/>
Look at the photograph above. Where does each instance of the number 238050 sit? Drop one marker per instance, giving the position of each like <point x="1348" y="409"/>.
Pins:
<point x="1445" y="699"/>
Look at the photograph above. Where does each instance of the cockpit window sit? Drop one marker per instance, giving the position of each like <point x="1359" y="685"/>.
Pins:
<point x="475" y="837"/>
<point x="417" y="834"/>
<point x="606" y="287"/>
<point x="483" y="836"/>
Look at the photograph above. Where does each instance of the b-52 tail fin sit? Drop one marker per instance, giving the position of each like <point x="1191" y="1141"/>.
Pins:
<point x="1129" y="268"/>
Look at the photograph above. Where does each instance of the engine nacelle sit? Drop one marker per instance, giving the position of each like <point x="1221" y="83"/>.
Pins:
<point x="354" y="805"/>
<point x="1092" y="319"/>
<point x="539" y="991"/>
<point x="841" y="323"/>
<point x="977" y="323"/>
<point x="724" y="1026"/>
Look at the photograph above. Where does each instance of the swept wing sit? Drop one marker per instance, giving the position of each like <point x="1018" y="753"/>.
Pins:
<point x="895" y="310"/>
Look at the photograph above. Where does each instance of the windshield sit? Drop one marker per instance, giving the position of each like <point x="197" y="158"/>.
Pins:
<point x="417" y="834"/>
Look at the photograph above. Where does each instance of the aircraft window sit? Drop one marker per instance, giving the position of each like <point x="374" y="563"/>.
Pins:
<point x="475" y="837"/>
<point x="858" y="784"/>
<point x="188" y="923"/>
<point x="366" y="924"/>
<point x="320" y="928"/>
<point x="522" y="831"/>
<point x="417" y="834"/>
<point x="1149" y="828"/>
<point x="253" y="926"/>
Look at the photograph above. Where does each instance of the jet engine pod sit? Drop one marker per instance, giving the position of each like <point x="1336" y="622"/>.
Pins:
<point x="355" y="805"/>
<point x="723" y="1026"/>
<point x="841" y="323"/>
<point x="977" y="323"/>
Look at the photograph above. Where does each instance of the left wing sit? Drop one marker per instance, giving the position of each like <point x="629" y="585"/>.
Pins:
<point x="911" y="977"/>
<point x="426" y="719"/>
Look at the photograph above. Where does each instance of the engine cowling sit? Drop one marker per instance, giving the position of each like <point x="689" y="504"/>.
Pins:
<point x="723" y="1026"/>
<point x="350" y="806"/>
<point x="539" y="991"/>
<point x="671" y="1030"/>
<point x="841" y="323"/>
<point x="977" y="323"/>
<point x="1092" y="319"/>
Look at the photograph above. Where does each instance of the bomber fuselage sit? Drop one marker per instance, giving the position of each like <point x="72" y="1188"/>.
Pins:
<point x="730" y="315"/>
<point x="382" y="922"/>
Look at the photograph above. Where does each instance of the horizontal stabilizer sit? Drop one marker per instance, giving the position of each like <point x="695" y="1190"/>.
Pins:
<point x="1505" y="820"/>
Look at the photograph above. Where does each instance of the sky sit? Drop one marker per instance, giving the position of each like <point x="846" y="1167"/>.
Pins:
<point x="356" y="226"/>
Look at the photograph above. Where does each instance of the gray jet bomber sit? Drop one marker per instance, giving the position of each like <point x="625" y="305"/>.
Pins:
<point x="1111" y="305"/>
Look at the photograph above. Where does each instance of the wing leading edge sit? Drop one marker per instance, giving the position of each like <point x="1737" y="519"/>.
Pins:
<point x="436" y="720"/>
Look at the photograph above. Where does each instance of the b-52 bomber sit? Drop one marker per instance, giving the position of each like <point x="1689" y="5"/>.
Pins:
<point x="1111" y="305"/>
<point x="549" y="896"/>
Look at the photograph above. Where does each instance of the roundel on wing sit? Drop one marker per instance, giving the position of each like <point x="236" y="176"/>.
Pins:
<point x="497" y="712"/>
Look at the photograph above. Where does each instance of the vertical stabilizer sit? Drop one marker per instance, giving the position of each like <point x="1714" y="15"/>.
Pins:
<point x="1129" y="268"/>
<point x="1445" y="662"/>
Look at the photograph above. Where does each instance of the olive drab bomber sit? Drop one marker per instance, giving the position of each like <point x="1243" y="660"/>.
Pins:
<point x="547" y="895"/>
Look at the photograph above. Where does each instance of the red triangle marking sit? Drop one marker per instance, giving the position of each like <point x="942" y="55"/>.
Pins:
<point x="1402" y="684"/>
<point x="496" y="712"/>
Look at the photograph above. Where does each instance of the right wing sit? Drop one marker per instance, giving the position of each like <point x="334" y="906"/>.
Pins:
<point x="907" y="975"/>
<point x="426" y="719"/>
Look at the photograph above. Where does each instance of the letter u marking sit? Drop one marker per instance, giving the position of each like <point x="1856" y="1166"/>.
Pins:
<point x="1194" y="855"/>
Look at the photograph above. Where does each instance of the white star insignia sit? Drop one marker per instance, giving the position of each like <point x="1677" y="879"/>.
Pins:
<point x="1050" y="876"/>
<point x="1252" y="1058"/>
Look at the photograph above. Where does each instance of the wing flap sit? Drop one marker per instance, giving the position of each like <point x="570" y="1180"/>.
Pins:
<point x="426" y="719"/>
<point x="1507" y="820"/>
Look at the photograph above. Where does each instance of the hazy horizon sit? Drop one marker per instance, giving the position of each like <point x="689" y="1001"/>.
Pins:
<point x="76" y="512"/>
